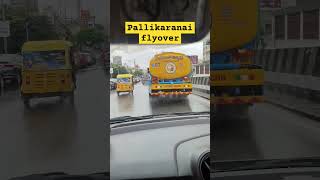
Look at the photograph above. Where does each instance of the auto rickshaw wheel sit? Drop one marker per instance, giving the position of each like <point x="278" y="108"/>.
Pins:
<point x="118" y="93"/>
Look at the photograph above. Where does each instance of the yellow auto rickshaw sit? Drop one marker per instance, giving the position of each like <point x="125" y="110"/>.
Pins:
<point x="125" y="83"/>
<point x="48" y="70"/>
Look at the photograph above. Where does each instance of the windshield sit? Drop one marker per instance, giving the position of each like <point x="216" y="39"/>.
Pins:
<point x="124" y="80"/>
<point x="277" y="117"/>
<point x="44" y="59"/>
<point x="162" y="77"/>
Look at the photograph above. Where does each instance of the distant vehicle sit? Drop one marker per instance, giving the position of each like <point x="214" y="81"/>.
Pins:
<point x="136" y="80"/>
<point x="48" y="70"/>
<point x="92" y="59"/>
<point x="113" y="84"/>
<point x="170" y="75"/>
<point x="10" y="69"/>
<point x="125" y="83"/>
<point x="84" y="60"/>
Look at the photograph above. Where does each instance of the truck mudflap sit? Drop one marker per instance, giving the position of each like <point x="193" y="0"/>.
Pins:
<point x="171" y="93"/>
<point x="237" y="100"/>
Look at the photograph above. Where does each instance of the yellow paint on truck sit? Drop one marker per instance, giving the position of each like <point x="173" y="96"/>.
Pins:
<point x="237" y="77"/>
<point x="159" y="65"/>
<point x="234" y="23"/>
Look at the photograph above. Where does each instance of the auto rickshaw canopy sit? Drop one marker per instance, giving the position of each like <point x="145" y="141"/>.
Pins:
<point x="46" y="45"/>
<point x="119" y="76"/>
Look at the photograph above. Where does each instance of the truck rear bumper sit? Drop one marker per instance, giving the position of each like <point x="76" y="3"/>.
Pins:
<point x="171" y="93"/>
<point x="237" y="100"/>
<point x="171" y="89"/>
<point x="163" y="87"/>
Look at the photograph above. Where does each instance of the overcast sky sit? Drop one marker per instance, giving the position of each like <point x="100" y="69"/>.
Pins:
<point x="142" y="54"/>
<point x="96" y="7"/>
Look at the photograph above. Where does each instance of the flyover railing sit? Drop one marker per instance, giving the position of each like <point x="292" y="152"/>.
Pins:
<point x="292" y="76"/>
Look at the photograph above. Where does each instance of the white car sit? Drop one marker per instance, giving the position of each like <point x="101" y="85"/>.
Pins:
<point x="161" y="146"/>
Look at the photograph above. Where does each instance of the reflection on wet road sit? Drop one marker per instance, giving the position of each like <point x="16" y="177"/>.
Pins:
<point x="270" y="132"/>
<point x="53" y="135"/>
<point x="140" y="103"/>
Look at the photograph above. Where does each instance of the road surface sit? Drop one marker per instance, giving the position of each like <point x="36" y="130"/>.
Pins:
<point x="140" y="104"/>
<point x="269" y="132"/>
<point x="52" y="136"/>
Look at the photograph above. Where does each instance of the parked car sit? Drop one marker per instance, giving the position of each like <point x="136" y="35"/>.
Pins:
<point x="84" y="60"/>
<point x="113" y="84"/>
<point x="10" y="70"/>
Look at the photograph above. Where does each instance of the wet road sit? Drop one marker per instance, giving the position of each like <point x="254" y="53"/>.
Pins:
<point x="269" y="132"/>
<point x="53" y="135"/>
<point x="140" y="104"/>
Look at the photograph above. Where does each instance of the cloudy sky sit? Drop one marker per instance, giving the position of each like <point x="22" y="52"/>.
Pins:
<point x="142" y="54"/>
<point x="98" y="8"/>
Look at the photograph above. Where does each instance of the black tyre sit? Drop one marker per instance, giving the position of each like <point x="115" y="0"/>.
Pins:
<point x="118" y="93"/>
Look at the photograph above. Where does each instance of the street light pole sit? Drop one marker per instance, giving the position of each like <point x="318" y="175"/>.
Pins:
<point x="27" y="30"/>
<point x="5" y="43"/>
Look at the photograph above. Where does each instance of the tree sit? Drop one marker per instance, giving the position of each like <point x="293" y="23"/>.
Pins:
<point x="119" y="69"/>
<point x="39" y="28"/>
<point x="89" y="37"/>
<point x="138" y="72"/>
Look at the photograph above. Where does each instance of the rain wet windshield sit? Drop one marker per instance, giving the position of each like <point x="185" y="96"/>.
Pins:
<point x="167" y="79"/>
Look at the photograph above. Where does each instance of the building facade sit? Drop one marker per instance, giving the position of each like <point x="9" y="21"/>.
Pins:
<point x="293" y="25"/>
<point x="117" y="60"/>
<point x="30" y="5"/>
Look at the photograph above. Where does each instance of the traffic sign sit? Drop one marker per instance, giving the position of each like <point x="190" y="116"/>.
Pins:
<point x="4" y="29"/>
<point x="111" y="70"/>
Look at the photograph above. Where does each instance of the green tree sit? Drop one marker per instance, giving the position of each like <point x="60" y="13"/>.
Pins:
<point x="118" y="69"/>
<point x="39" y="28"/>
<point x="138" y="72"/>
<point x="89" y="37"/>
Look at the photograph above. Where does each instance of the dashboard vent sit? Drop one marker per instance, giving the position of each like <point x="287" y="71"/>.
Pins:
<point x="205" y="166"/>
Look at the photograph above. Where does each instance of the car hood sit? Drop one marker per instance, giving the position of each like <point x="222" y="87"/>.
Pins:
<point x="152" y="150"/>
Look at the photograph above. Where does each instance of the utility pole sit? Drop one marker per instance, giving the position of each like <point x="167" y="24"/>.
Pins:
<point x="5" y="44"/>
<point x="27" y="30"/>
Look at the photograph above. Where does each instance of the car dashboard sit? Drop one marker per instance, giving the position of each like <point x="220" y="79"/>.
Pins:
<point x="160" y="148"/>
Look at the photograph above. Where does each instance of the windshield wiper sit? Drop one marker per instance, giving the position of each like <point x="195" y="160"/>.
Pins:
<point x="64" y="176"/>
<point x="130" y="118"/>
<point x="225" y="166"/>
<point x="123" y="119"/>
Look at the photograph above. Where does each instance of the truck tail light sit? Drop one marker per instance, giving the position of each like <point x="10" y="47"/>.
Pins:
<point x="186" y="79"/>
<point x="251" y="77"/>
<point x="155" y="80"/>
